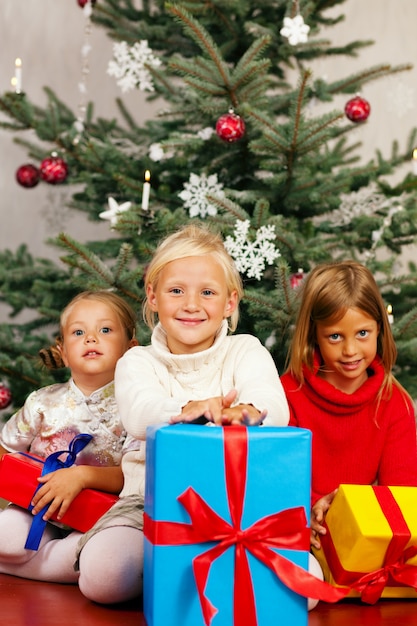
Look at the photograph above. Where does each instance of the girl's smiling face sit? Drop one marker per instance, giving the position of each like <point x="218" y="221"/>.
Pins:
<point x="191" y="299"/>
<point x="347" y="348"/>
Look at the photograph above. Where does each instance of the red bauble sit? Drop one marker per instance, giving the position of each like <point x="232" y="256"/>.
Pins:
<point x="82" y="3"/>
<point x="230" y="127"/>
<point x="357" y="109"/>
<point x="27" y="175"/>
<point x="297" y="278"/>
<point x="5" y="397"/>
<point x="54" y="170"/>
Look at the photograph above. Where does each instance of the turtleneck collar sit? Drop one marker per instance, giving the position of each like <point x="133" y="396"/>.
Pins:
<point x="160" y="346"/>
<point x="329" y="398"/>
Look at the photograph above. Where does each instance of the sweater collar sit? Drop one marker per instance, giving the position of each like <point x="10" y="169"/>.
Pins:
<point x="329" y="398"/>
<point x="194" y="360"/>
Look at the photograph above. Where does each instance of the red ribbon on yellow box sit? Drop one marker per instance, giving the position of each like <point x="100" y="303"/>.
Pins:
<point x="394" y="570"/>
<point x="285" y="529"/>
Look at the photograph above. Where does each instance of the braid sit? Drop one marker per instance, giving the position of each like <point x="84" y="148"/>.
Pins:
<point x="51" y="357"/>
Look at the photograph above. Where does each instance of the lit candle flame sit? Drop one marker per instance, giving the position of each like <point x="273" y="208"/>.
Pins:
<point x="17" y="82"/>
<point x="415" y="161"/>
<point x="146" y="191"/>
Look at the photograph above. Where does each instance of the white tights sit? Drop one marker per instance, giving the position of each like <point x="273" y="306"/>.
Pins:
<point x="111" y="562"/>
<point x="52" y="562"/>
<point x="111" y="565"/>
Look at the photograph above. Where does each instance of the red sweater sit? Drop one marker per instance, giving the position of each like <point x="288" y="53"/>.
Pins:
<point x="352" y="443"/>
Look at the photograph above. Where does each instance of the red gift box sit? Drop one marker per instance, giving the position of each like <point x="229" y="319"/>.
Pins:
<point x="18" y="481"/>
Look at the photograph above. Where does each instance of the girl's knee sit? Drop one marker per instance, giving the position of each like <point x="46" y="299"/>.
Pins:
<point x="111" y="566"/>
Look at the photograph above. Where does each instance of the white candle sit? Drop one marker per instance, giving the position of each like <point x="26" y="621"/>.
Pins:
<point x="146" y="191"/>
<point x="390" y="315"/>
<point x="415" y="161"/>
<point x="18" y="76"/>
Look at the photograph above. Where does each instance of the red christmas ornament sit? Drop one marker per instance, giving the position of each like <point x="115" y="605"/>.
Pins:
<point x="297" y="278"/>
<point x="82" y="3"/>
<point x="54" y="170"/>
<point x="27" y="175"/>
<point x="230" y="127"/>
<point x="5" y="397"/>
<point x="357" y="109"/>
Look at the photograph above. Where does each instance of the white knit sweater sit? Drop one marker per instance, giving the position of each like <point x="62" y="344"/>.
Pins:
<point x="152" y="385"/>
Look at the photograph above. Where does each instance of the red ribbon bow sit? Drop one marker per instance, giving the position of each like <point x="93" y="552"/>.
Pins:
<point x="285" y="529"/>
<point x="394" y="570"/>
<point x="373" y="584"/>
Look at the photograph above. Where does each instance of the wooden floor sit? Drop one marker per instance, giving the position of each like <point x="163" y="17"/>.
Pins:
<point x="28" y="603"/>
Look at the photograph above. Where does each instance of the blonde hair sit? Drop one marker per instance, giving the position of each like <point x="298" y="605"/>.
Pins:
<point x="190" y="241"/>
<point x="328" y="292"/>
<point x="52" y="358"/>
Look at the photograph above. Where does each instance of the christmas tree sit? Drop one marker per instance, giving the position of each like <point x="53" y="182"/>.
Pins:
<point x="235" y="143"/>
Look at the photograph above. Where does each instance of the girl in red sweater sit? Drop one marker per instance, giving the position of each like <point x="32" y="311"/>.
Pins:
<point x="339" y="384"/>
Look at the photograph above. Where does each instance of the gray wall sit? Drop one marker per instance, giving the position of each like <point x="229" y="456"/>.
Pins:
<point x="48" y="36"/>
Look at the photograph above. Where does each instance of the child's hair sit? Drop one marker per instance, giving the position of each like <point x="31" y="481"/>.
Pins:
<point x="189" y="241"/>
<point x="52" y="358"/>
<point x="328" y="292"/>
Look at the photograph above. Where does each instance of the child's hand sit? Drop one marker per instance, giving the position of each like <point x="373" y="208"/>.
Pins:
<point x="58" y="490"/>
<point x="219" y="411"/>
<point x="318" y="513"/>
<point x="245" y="414"/>
<point x="211" y="409"/>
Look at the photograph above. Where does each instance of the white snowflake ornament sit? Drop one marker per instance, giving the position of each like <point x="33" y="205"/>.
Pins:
<point x="206" y="133"/>
<point x="114" y="211"/>
<point x="195" y="194"/>
<point x="156" y="152"/>
<point x="367" y="201"/>
<point x="251" y="257"/>
<point x="130" y="65"/>
<point x="159" y="153"/>
<point x="295" y="30"/>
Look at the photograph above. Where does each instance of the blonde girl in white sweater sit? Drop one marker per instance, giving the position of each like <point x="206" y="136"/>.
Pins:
<point x="192" y="370"/>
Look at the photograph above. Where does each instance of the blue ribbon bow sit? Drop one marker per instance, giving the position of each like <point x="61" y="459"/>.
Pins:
<point x="52" y="463"/>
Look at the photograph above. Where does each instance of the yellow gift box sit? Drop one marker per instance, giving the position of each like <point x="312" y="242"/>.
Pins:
<point x="371" y="542"/>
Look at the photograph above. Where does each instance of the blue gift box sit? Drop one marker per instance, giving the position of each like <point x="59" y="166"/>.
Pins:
<point x="277" y="480"/>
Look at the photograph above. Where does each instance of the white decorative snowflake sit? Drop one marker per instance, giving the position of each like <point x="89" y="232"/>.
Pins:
<point x="158" y="153"/>
<point x="130" y="65"/>
<point x="367" y="201"/>
<point x="114" y="211"/>
<point x="251" y="257"/>
<point x="295" y="30"/>
<point x="377" y="234"/>
<point x="196" y="191"/>
<point x="206" y="133"/>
